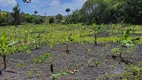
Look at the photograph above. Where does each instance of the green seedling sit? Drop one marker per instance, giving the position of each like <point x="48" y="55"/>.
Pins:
<point x="17" y="65"/>
<point x="5" y="48"/>
<point x="29" y="73"/>
<point x="124" y="42"/>
<point x="89" y="50"/>
<point x="37" y="73"/>
<point x="68" y="40"/>
<point x="5" y="78"/>
<point x="38" y="41"/>
<point x="107" y="46"/>
<point x="54" y="76"/>
<point x="91" y="63"/>
<point x="96" y="63"/>
<point x="97" y="29"/>
<point x="42" y="58"/>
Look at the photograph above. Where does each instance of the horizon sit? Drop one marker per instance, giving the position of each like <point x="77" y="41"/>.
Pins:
<point x="50" y="7"/>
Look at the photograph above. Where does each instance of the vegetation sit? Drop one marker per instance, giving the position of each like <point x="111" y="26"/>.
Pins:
<point x="111" y="23"/>
<point x="110" y="11"/>
<point x="124" y="41"/>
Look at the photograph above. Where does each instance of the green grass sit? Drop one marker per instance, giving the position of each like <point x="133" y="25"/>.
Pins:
<point x="53" y="34"/>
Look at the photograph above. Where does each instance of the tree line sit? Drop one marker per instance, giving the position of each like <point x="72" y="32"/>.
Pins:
<point x="92" y="11"/>
<point x="17" y="17"/>
<point x="108" y="11"/>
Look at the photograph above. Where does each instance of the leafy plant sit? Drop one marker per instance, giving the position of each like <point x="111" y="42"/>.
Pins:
<point x="134" y="72"/>
<point x="124" y="42"/>
<point x="92" y="63"/>
<point x="54" y="76"/>
<point x="5" y="48"/>
<point x="42" y="58"/>
<point x="38" y="41"/>
<point x="37" y="73"/>
<point x="68" y="39"/>
<point x="97" y="29"/>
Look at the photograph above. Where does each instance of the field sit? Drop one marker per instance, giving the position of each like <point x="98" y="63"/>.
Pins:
<point x="68" y="52"/>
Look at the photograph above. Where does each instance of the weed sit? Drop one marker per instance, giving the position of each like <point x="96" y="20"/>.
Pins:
<point x="89" y="50"/>
<point x="29" y="73"/>
<point x="42" y="58"/>
<point x="37" y="73"/>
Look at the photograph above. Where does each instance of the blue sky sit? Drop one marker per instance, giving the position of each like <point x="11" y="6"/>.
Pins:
<point x="50" y="7"/>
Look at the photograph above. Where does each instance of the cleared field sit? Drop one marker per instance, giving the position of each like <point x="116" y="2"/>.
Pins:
<point x="70" y="49"/>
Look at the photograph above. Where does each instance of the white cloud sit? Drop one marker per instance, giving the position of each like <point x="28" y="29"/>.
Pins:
<point x="54" y="2"/>
<point x="34" y="1"/>
<point x="53" y="7"/>
<point x="75" y="4"/>
<point x="6" y="3"/>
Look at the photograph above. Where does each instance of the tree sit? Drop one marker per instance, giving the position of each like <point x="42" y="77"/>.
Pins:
<point x="26" y="1"/>
<point x="3" y="18"/>
<point x="51" y="20"/>
<point x="35" y="12"/>
<point x="59" y="17"/>
<point x="75" y="17"/>
<point x="68" y="10"/>
<point x="5" y="47"/>
<point x="27" y="18"/>
<point x="111" y="11"/>
<point x="16" y="14"/>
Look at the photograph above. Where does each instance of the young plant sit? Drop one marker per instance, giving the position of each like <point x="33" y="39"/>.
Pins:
<point x="54" y="76"/>
<point x="97" y="29"/>
<point x="124" y="42"/>
<point x="5" y="48"/>
<point x="38" y="41"/>
<point x="68" y="39"/>
<point x="42" y="58"/>
<point x="92" y="63"/>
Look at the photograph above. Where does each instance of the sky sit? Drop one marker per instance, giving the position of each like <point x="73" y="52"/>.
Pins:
<point x="50" y="7"/>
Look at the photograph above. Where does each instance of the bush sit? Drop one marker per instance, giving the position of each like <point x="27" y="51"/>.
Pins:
<point x="51" y="20"/>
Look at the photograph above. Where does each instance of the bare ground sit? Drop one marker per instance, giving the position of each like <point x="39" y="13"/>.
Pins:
<point x="21" y="67"/>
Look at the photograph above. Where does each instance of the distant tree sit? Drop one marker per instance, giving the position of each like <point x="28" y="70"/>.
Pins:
<point x="3" y="18"/>
<point x="16" y="14"/>
<point x="59" y="18"/>
<point x="10" y="19"/>
<point x="22" y="16"/>
<point x="67" y="10"/>
<point x="51" y="20"/>
<point x="26" y="1"/>
<point x="27" y="18"/>
<point x="75" y="17"/>
<point x="67" y="19"/>
<point x="35" y="12"/>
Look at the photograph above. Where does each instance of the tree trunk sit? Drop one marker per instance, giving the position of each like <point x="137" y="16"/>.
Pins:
<point x="120" y="55"/>
<point x="95" y="40"/>
<point x="4" y="60"/>
<point x="67" y="49"/>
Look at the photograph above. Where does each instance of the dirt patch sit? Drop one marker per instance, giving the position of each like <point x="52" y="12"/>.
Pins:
<point x="86" y="61"/>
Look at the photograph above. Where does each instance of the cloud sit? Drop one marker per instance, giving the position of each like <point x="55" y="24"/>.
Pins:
<point x="5" y="3"/>
<point x="34" y="1"/>
<point x="54" y="2"/>
<point x="58" y="7"/>
<point x="50" y="7"/>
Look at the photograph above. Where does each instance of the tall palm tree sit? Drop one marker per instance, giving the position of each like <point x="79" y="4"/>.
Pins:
<point x="35" y="12"/>
<point x="68" y="10"/>
<point x="0" y="11"/>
